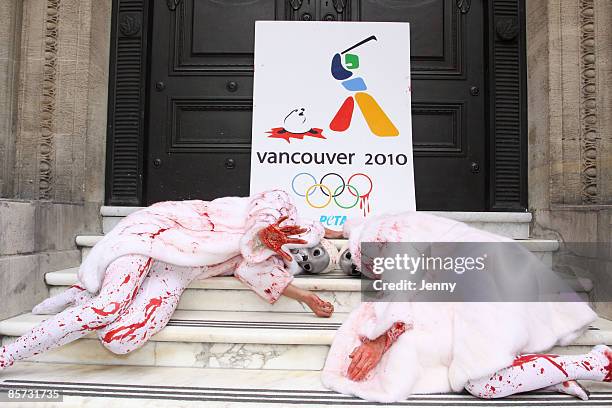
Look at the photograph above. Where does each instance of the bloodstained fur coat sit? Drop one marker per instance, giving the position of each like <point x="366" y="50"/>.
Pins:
<point x="448" y="343"/>
<point x="206" y="233"/>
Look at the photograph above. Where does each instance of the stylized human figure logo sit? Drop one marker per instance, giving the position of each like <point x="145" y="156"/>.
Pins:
<point x="377" y="120"/>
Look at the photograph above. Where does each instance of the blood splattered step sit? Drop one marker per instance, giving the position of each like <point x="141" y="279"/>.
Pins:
<point x="254" y="340"/>
<point x="128" y="386"/>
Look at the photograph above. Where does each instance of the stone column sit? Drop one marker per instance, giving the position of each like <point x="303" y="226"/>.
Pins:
<point x="570" y="132"/>
<point x="10" y="35"/>
<point x="55" y="185"/>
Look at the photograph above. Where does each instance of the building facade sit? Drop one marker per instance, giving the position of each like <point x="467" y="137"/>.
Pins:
<point x="103" y="102"/>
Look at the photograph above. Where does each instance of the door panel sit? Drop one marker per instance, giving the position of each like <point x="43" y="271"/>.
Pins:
<point x="201" y="81"/>
<point x="434" y="26"/>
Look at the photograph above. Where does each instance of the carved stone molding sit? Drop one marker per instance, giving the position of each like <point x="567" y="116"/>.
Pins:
<point x="46" y="147"/>
<point x="588" y="104"/>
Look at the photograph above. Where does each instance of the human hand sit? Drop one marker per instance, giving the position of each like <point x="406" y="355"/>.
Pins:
<point x="331" y="234"/>
<point x="364" y="358"/>
<point x="274" y="237"/>
<point x="319" y="307"/>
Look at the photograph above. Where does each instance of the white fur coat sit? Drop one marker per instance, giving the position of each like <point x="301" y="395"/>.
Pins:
<point x="205" y="233"/>
<point x="449" y="343"/>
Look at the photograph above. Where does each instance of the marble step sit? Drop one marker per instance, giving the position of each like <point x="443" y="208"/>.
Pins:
<point x="99" y="386"/>
<point x="543" y="248"/>
<point x="226" y="293"/>
<point x="511" y="224"/>
<point x="254" y="340"/>
<point x="229" y="294"/>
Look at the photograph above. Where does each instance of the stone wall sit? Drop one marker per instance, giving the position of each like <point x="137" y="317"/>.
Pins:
<point x="54" y="78"/>
<point x="570" y="129"/>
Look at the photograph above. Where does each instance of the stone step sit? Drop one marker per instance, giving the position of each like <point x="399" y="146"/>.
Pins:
<point x="260" y="340"/>
<point x="543" y="248"/>
<point x="100" y="386"/>
<point x="255" y="340"/>
<point x="511" y="224"/>
<point x="226" y="293"/>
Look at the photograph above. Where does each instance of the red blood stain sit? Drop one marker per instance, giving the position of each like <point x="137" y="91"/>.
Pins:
<point x="134" y="292"/>
<point x="500" y="378"/>
<point x="116" y="334"/>
<point x="145" y="267"/>
<point x="211" y="223"/>
<point x="541" y="370"/>
<point x="104" y="312"/>
<point x="126" y="280"/>
<point x="531" y="357"/>
<point x="396" y="330"/>
<point x="159" y="231"/>
<point x="587" y="366"/>
<point x="88" y="327"/>
<point x="566" y="384"/>
<point x="78" y="287"/>
<point x="268" y="291"/>
<point x="274" y="237"/>
<point x="608" y="377"/>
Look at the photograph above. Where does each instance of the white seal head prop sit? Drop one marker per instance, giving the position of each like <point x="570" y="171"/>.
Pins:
<point x="319" y="259"/>
<point x="334" y="255"/>
<point x="345" y="262"/>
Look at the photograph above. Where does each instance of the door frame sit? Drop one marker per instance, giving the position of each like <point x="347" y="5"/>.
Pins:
<point x="506" y="94"/>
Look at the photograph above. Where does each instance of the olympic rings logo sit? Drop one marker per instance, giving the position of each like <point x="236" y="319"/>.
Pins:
<point x="307" y="186"/>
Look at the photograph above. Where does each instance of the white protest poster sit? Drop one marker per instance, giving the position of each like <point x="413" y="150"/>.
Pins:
<point x="332" y="119"/>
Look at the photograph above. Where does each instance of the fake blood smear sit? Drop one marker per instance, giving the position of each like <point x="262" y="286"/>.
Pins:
<point x="145" y="268"/>
<point x="532" y="357"/>
<point x="104" y="312"/>
<point x="124" y="331"/>
<point x="364" y="204"/>
<point x="608" y="377"/>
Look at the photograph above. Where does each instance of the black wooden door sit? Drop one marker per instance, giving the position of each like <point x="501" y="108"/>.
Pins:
<point x="201" y="82"/>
